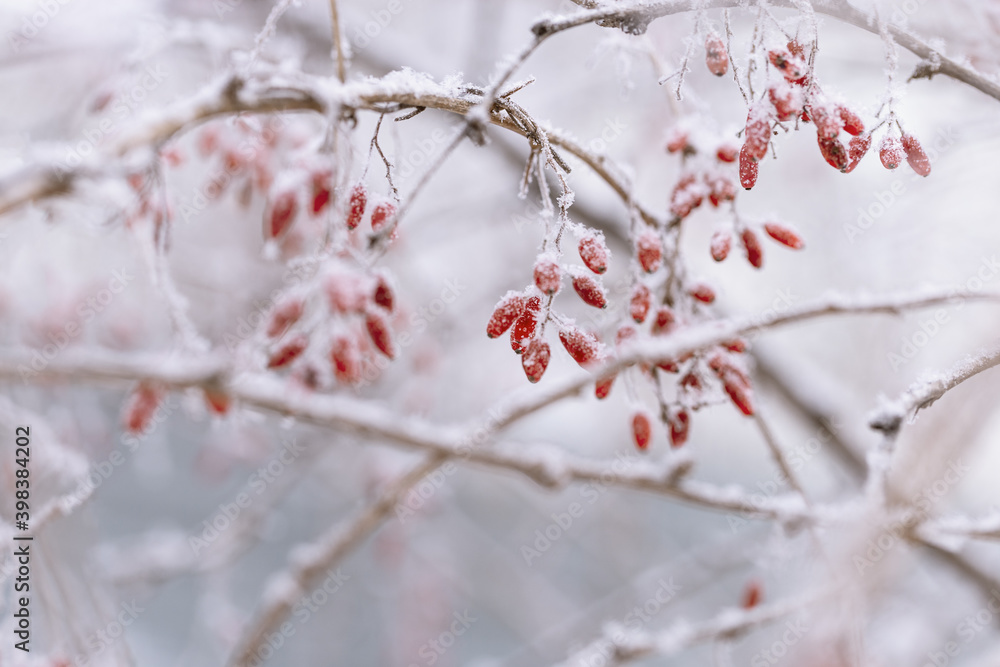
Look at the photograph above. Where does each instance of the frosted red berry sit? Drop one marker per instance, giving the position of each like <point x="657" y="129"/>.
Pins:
<point x="702" y="292"/>
<point x="526" y="324"/>
<point x="680" y="423"/>
<point x="727" y="153"/>
<point x="755" y="254"/>
<point x="638" y="306"/>
<point x="757" y="134"/>
<point x="915" y="155"/>
<point x="853" y="124"/>
<point x="663" y="320"/>
<point x="217" y="400"/>
<point x="382" y="215"/>
<point x="649" y="250"/>
<point x="715" y="55"/>
<point x="784" y="235"/>
<point x="891" y="152"/>
<point x="288" y="351"/>
<point x="603" y="387"/>
<point x="320" y="191"/>
<point x="548" y="276"/>
<point x="752" y="594"/>
<point x="791" y="67"/>
<point x="383" y="295"/>
<point x="857" y="149"/>
<point x="594" y="252"/>
<point x="590" y="290"/>
<point x="720" y="244"/>
<point x="284" y="315"/>
<point x="378" y="330"/>
<point x="505" y="313"/>
<point x="581" y="345"/>
<point x="280" y="214"/>
<point x="834" y="153"/>
<point x="345" y="358"/>
<point x="748" y="169"/>
<point x="141" y="405"/>
<point x="356" y="205"/>
<point x="735" y="382"/>
<point x="677" y="141"/>
<point x="535" y="359"/>
<point x="642" y="430"/>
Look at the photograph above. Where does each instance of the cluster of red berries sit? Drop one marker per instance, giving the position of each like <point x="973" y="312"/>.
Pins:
<point x="522" y="312"/>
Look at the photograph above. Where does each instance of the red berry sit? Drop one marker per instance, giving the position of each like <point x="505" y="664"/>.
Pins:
<point x="356" y="206"/>
<point x="642" y="429"/>
<point x="748" y="169"/>
<point x="345" y="355"/>
<point x="720" y="189"/>
<point x="284" y="315"/>
<point x="891" y="152"/>
<point x="280" y="214"/>
<point x="721" y="242"/>
<point x="625" y="333"/>
<point x="217" y="400"/>
<point x="527" y="322"/>
<point x="738" y="345"/>
<point x="702" y="292"/>
<point x="383" y="295"/>
<point x="715" y="55"/>
<point x="638" y="306"/>
<point x="547" y="274"/>
<point x="581" y="345"/>
<point x="378" y="330"/>
<point x="594" y="252"/>
<point x="752" y="594"/>
<point x="787" y="100"/>
<point x="141" y="405"/>
<point x="784" y="235"/>
<point x="345" y="292"/>
<point x="691" y="382"/>
<point x="915" y="155"/>
<point x="590" y="290"/>
<point x="382" y="215"/>
<point x="735" y="382"/>
<point x="791" y="67"/>
<point x="757" y="135"/>
<point x="677" y="141"/>
<point x="679" y="424"/>
<point x="320" y="191"/>
<point x="852" y="122"/>
<point x="664" y="321"/>
<point x="535" y="359"/>
<point x="755" y="255"/>
<point x="727" y="153"/>
<point x="856" y="149"/>
<point x="288" y="351"/>
<point x="834" y="153"/>
<point x="649" y="250"/>
<point x="828" y="122"/>
<point x="686" y="197"/>
<point x="603" y="387"/>
<point x="505" y="313"/>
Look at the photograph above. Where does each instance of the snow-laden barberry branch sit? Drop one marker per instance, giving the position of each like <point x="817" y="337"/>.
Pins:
<point x="618" y="646"/>
<point x="889" y="417"/>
